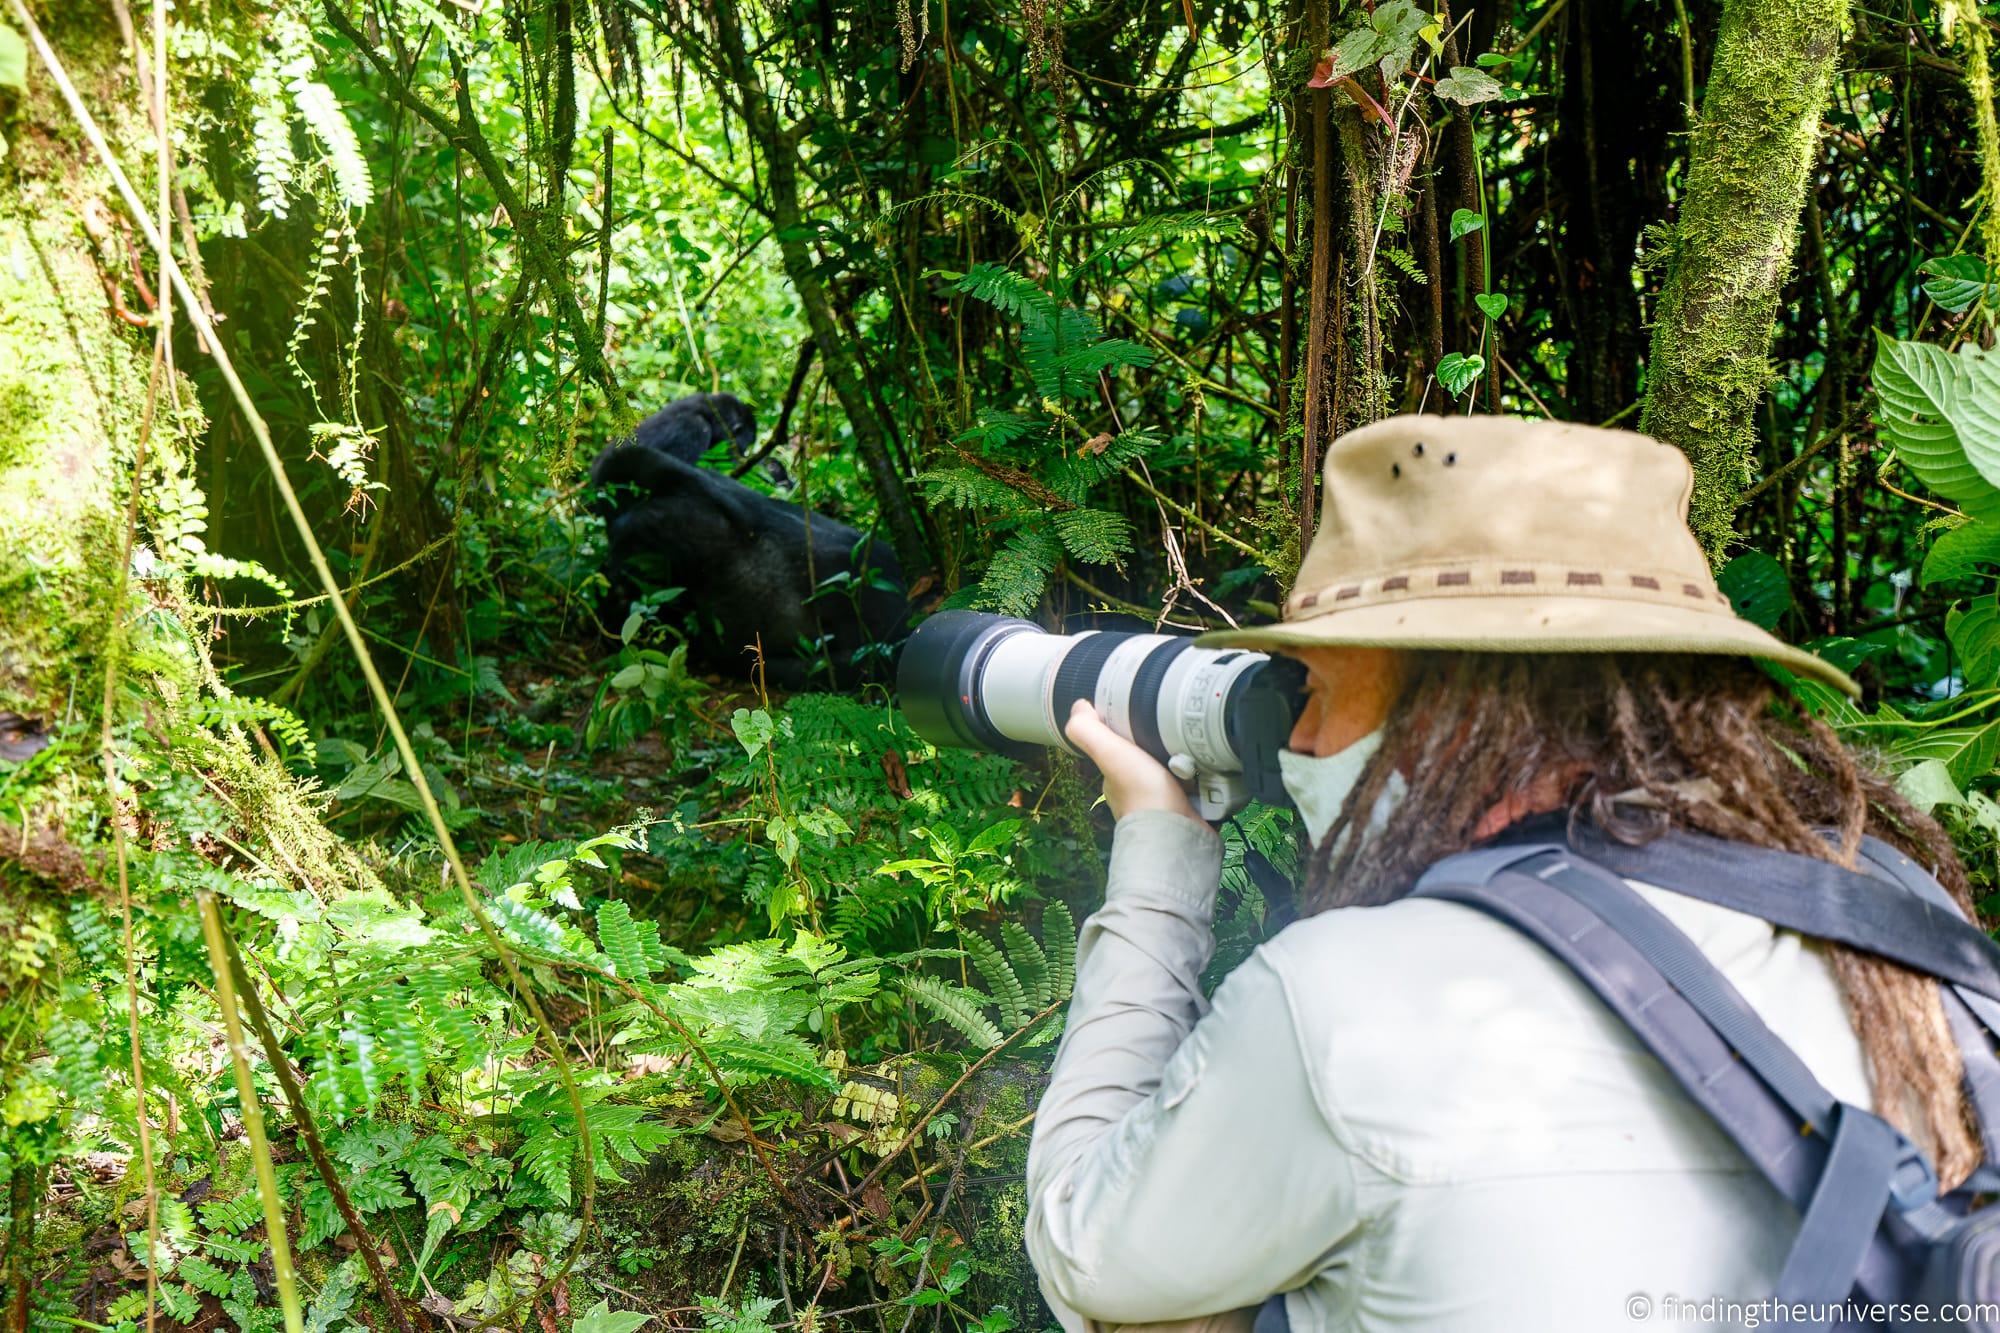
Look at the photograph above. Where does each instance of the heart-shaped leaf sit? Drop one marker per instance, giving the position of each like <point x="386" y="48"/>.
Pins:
<point x="1493" y="303"/>
<point x="1457" y="371"/>
<point x="1464" y="222"/>
<point x="1468" y="86"/>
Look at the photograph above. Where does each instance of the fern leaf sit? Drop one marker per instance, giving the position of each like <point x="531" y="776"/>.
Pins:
<point x="1059" y="942"/>
<point x="618" y="936"/>
<point x="957" y="1007"/>
<point x="1094" y="536"/>
<point x="399" y="1030"/>
<point x="204" y="1275"/>
<point x="1009" y="293"/>
<point x="1001" y="984"/>
<point x="1030" y="962"/>
<point x="526" y="925"/>
<point x="546" y="1156"/>
<point x="1019" y="572"/>
<point x="781" y="1054"/>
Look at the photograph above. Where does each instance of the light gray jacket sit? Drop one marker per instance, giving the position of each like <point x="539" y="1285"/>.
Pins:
<point x="1406" y="1117"/>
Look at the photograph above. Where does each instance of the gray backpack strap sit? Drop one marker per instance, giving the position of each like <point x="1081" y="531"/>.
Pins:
<point x="1813" y="897"/>
<point x="1838" y="1164"/>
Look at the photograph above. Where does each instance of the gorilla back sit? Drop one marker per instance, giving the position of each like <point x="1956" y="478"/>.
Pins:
<point x="817" y="593"/>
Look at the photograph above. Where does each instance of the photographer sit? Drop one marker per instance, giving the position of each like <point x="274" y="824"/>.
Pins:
<point x="1404" y="1113"/>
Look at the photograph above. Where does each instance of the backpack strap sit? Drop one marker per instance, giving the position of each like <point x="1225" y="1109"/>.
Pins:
<point x="1814" y="897"/>
<point x="1839" y="1164"/>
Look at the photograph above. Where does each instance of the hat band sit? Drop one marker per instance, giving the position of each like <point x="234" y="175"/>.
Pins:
<point x="1505" y="579"/>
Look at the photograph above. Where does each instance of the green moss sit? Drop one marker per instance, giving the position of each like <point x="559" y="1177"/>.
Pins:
<point x="1732" y="247"/>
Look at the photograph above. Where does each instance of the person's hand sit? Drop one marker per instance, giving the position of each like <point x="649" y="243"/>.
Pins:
<point x="1133" y="779"/>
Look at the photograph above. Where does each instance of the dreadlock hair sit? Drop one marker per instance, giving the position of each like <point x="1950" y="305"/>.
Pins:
<point x="1642" y="744"/>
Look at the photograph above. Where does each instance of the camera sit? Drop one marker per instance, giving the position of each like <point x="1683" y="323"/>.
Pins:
<point x="1217" y="718"/>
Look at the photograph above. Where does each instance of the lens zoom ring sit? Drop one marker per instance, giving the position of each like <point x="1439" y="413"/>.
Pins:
<point x="1076" y="674"/>
<point x="1145" y="700"/>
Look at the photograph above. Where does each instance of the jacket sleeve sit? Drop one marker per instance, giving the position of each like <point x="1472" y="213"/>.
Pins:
<point x="1181" y="1164"/>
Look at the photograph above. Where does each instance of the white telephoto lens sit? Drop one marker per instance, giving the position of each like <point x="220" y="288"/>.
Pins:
<point x="1014" y="686"/>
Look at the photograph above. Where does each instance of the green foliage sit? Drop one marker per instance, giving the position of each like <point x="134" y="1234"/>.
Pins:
<point x="1023" y="979"/>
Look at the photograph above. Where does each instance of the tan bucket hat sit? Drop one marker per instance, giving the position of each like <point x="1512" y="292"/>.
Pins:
<point x="1497" y="534"/>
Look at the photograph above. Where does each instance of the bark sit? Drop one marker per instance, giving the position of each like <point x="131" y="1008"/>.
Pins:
<point x="1753" y="154"/>
<point x="82" y="409"/>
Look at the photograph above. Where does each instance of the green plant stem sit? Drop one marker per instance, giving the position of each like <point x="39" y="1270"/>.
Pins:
<point x="253" y="1114"/>
<point x="1268" y="561"/>
<point x="302" y="1118"/>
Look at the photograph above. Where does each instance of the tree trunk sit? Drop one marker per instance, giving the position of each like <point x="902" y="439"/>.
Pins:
<point x="1753" y="154"/>
<point x="82" y="407"/>
<point x="837" y="352"/>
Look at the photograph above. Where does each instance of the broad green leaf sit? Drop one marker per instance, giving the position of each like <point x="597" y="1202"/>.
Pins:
<point x="1468" y="86"/>
<point x="1975" y="637"/>
<point x="1917" y="383"/>
<point x="601" y="1318"/>
<point x="753" y="728"/>
<point x="1757" y="588"/>
<point x="1844" y="652"/>
<point x="1465" y="221"/>
<point x="1492" y="304"/>
<point x="1957" y="281"/>
<point x="1457" y="371"/>
<point x="1961" y="552"/>
<point x="1973" y="409"/>
<point x="995" y="837"/>
<point x="1968" y="752"/>
<point x="13" y="59"/>
<point x="1929" y="784"/>
<point x="783" y="835"/>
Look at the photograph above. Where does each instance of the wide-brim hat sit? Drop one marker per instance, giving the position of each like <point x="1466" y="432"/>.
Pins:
<point x="1495" y="534"/>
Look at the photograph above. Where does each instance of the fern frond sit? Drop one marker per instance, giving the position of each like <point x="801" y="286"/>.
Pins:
<point x="1009" y="293"/>
<point x="959" y="1008"/>
<point x="1019" y="572"/>
<point x="1030" y="963"/>
<point x="1094" y="536"/>
<point x="1059" y="943"/>
<point x="1004" y="988"/>
<point x="1167" y="228"/>
<point x="618" y="936"/>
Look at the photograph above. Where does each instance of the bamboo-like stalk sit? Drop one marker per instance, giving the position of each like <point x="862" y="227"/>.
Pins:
<point x="253" y="1115"/>
<point x="302" y="1118"/>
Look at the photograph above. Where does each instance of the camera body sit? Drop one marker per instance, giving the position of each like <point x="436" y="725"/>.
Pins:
<point x="1217" y="718"/>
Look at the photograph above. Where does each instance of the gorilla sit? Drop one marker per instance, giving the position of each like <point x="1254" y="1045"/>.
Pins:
<point x="821" y="596"/>
<point x="688" y="427"/>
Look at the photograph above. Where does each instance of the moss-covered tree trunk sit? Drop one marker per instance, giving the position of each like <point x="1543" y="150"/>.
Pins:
<point x="1753" y="155"/>
<point x="81" y="407"/>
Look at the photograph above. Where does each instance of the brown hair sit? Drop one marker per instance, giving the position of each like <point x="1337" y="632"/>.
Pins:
<point x="1714" y="747"/>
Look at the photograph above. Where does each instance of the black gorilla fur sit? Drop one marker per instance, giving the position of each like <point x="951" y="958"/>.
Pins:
<point x="689" y="427"/>
<point x="754" y="568"/>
